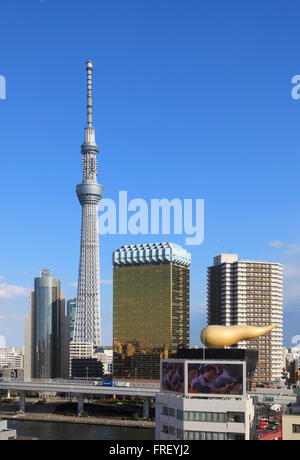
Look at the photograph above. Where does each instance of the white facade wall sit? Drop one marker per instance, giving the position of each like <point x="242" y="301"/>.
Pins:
<point x="181" y="429"/>
<point x="81" y="350"/>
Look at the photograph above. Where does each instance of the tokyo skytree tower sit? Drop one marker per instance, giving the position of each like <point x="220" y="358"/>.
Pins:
<point x="89" y="192"/>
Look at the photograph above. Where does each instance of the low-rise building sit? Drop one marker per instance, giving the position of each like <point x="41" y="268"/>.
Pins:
<point x="206" y="398"/>
<point x="291" y="421"/>
<point x="80" y="350"/>
<point x="185" y="418"/>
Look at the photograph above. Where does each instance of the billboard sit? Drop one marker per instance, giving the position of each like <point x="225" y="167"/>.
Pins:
<point x="172" y="376"/>
<point x="215" y="378"/>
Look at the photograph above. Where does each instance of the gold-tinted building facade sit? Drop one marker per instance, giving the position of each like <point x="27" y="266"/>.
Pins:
<point x="151" y="309"/>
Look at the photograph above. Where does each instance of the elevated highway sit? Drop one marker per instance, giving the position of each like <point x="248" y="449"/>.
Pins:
<point x="145" y="391"/>
<point x="79" y="389"/>
<point x="72" y="387"/>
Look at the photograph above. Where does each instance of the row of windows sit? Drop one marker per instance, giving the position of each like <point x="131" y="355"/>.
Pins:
<point x="214" y="417"/>
<point x="201" y="435"/>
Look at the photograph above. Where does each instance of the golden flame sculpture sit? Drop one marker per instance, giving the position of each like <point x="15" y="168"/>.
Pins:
<point x="225" y="336"/>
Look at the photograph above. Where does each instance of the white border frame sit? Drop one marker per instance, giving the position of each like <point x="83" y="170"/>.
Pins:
<point x="173" y="361"/>
<point x="186" y="363"/>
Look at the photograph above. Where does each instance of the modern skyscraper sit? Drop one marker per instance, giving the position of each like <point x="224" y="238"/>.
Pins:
<point x="71" y="311"/>
<point x="46" y="331"/>
<point x="250" y="293"/>
<point x="151" y="307"/>
<point x="89" y="192"/>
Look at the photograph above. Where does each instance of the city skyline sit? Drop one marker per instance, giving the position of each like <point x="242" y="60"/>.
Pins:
<point x="235" y="144"/>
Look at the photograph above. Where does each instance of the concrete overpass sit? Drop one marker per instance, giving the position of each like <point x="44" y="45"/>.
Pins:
<point x="80" y="390"/>
<point x="144" y="391"/>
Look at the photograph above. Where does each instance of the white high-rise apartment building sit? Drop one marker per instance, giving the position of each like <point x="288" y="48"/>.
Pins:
<point x="249" y="293"/>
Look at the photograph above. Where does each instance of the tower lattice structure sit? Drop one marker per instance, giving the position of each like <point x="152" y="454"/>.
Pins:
<point x="89" y="192"/>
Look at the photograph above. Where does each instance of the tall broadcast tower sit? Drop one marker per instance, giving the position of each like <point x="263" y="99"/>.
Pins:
<point x="89" y="192"/>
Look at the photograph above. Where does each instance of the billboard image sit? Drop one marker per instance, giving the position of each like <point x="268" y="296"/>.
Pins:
<point x="215" y="379"/>
<point x="172" y="376"/>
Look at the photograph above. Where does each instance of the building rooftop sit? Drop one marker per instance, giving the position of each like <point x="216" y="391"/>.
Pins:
<point x="232" y="258"/>
<point x="151" y="253"/>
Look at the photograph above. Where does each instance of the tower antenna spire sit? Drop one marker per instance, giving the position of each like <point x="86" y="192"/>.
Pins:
<point x="89" y="69"/>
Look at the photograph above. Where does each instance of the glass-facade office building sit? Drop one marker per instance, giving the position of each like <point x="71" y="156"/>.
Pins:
<point x="46" y="331"/>
<point x="71" y="310"/>
<point x="151" y="308"/>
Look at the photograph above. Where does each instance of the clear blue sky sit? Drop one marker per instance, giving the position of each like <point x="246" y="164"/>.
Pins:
<point x="193" y="100"/>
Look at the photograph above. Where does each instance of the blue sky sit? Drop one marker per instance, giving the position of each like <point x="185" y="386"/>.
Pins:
<point x="192" y="100"/>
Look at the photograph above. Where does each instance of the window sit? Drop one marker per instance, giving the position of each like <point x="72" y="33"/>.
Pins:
<point x="296" y="429"/>
<point x="236" y="437"/>
<point x="186" y="415"/>
<point x="172" y="430"/>
<point x="179" y="414"/>
<point x="235" y="417"/>
<point x="171" y="412"/>
<point x="222" y="418"/>
<point x="164" y="411"/>
<point x="202" y="416"/>
<point x="192" y="416"/>
<point x="215" y="417"/>
<point x="204" y="436"/>
<point x="196" y="416"/>
<point x="179" y="433"/>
